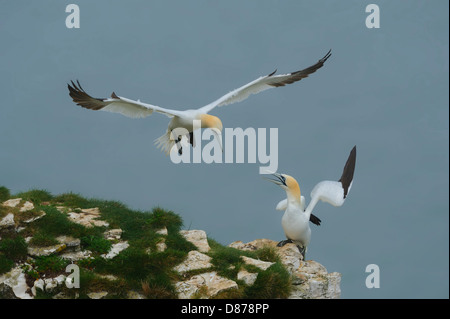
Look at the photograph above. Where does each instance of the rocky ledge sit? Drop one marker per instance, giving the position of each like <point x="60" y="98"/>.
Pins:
<point x="309" y="279"/>
<point x="198" y="275"/>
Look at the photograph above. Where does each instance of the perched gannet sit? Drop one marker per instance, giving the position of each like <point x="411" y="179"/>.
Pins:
<point x="184" y="119"/>
<point x="296" y="218"/>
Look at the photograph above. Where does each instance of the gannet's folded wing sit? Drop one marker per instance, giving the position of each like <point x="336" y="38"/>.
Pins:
<point x="116" y="104"/>
<point x="264" y="83"/>
<point x="282" y="205"/>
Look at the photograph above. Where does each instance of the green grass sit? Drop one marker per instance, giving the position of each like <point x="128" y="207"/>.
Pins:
<point x="135" y="265"/>
<point x="55" y="223"/>
<point x="71" y="200"/>
<point x="3" y="211"/>
<point x="92" y="282"/>
<point x="14" y="248"/>
<point x="50" y="264"/>
<point x="140" y="267"/>
<point x="96" y="244"/>
<point x="151" y="271"/>
<point x="160" y="218"/>
<point x="156" y="287"/>
<point x="6" y="264"/>
<point x="275" y="282"/>
<point x="41" y="239"/>
<point x="4" y="194"/>
<point x="35" y="196"/>
<point x="267" y="253"/>
<point x="228" y="262"/>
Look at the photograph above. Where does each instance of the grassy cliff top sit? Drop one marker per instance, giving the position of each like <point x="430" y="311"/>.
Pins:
<point x="142" y="268"/>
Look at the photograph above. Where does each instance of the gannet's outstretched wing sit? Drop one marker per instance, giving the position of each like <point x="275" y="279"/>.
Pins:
<point x="264" y="83"/>
<point x="333" y="192"/>
<point x="116" y="104"/>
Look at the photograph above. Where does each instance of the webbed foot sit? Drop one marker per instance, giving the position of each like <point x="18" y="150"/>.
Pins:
<point x="284" y="242"/>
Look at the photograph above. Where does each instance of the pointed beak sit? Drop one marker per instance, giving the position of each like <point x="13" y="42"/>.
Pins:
<point x="218" y="135"/>
<point x="278" y="179"/>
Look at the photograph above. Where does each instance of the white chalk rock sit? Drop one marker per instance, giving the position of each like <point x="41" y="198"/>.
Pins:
<point x="211" y="283"/>
<point x="256" y="262"/>
<point x="15" y="279"/>
<point x="194" y="260"/>
<point x="116" y="249"/>
<point x="26" y="207"/>
<point x="248" y="277"/>
<point x="7" y="221"/>
<point x="12" y="202"/>
<point x="198" y="238"/>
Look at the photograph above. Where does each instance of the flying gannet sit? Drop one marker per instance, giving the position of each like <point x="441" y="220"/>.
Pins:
<point x="295" y="220"/>
<point x="185" y="119"/>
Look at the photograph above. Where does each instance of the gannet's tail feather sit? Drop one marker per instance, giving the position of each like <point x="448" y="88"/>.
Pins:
<point x="165" y="143"/>
<point x="315" y="220"/>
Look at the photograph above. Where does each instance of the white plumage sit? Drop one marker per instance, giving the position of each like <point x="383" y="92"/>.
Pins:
<point x="184" y="119"/>
<point x="296" y="218"/>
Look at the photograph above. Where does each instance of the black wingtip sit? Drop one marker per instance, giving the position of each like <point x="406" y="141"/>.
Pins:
<point x="273" y="72"/>
<point x="349" y="169"/>
<point x="353" y="155"/>
<point x="74" y="86"/>
<point x="326" y="56"/>
<point x="114" y="96"/>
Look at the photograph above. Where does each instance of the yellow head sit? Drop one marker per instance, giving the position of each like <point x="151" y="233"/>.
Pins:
<point x="289" y="184"/>
<point x="211" y="121"/>
<point x="292" y="186"/>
